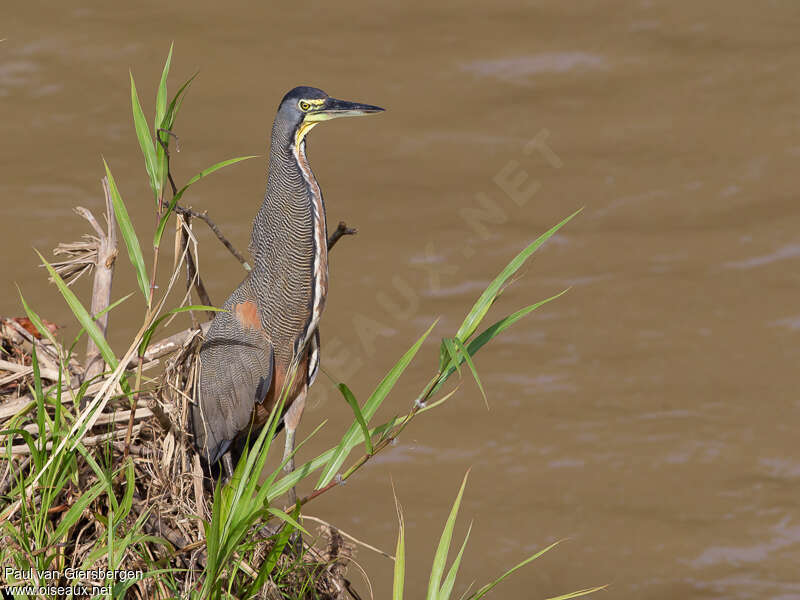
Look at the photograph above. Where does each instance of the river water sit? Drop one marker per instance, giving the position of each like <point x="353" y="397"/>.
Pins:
<point x="649" y="415"/>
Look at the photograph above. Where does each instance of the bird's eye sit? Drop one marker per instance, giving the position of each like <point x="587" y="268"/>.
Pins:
<point x="304" y="105"/>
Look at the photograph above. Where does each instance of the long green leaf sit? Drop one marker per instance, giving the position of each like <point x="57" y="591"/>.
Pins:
<point x="399" y="557"/>
<point x="369" y="408"/>
<point x="83" y="316"/>
<point x="37" y="320"/>
<point x="450" y="580"/>
<point x="451" y="351"/>
<point x="128" y="234"/>
<point x="481" y="307"/>
<point x="145" y="139"/>
<point x="175" y="104"/>
<point x="71" y="517"/>
<point x="465" y="353"/>
<point x="285" y="483"/>
<point x="440" y="558"/>
<point x="579" y="593"/>
<point x="490" y="332"/>
<point x="351" y="400"/>
<point x="161" y="108"/>
<point x="108" y="308"/>
<point x="161" y="95"/>
<point x="489" y="586"/>
<point x="204" y="173"/>
<point x="276" y="512"/>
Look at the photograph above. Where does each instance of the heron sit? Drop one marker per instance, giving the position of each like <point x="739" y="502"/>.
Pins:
<point x="264" y="344"/>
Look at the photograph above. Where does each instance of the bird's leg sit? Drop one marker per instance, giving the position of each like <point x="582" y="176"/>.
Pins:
<point x="227" y="467"/>
<point x="291" y="419"/>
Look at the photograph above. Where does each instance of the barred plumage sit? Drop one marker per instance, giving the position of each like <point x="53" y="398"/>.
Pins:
<point x="271" y="320"/>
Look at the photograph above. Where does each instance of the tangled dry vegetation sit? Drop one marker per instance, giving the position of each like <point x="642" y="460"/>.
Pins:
<point x="166" y="495"/>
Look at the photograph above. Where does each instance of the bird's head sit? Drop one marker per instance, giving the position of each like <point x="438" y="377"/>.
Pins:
<point x="304" y="107"/>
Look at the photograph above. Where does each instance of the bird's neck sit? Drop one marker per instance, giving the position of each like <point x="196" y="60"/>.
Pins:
<point x="289" y="240"/>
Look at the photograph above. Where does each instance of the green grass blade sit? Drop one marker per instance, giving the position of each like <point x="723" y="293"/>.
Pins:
<point x="489" y="586"/>
<point x="71" y="517"/>
<point x="285" y="483"/>
<point x="175" y="104"/>
<point x="275" y="512"/>
<point x="161" y="95"/>
<point x="83" y="316"/>
<point x="161" y="109"/>
<point x="372" y="405"/>
<point x="209" y="170"/>
<point x="145" y="139"/>
<point x="465" y="354"/>
<point x="37" y="392"/>
<point x="440" y="558"/>
<point x="37" y="321"/>
<point x="450" y="580"/>
<point x="452" y="352"/>
<point x="351" y="400"/>
<point x="493" y="331"/>
<point x="481" y="307"/>
<point x="128" y="234"/>
<point x="399" y="557"/>
<point x="108" y="308"/>
<point x="204" y="173"/>
<point x="579" y="593"/>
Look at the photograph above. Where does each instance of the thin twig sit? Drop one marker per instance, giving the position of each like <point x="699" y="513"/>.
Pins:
<point x="188" y="212"/>
<point x="340" y="231"/>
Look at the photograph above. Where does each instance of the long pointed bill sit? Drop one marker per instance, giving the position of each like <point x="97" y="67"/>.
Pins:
<point x="334" y="108"/>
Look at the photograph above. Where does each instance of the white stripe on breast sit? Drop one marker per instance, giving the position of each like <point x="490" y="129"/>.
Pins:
<point x="320" y="273"/>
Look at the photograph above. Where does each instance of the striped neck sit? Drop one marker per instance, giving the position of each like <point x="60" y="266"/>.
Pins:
<point x="289" y="242"/>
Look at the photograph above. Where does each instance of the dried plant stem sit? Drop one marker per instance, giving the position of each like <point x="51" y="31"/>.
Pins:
<point x="103" y="275"/>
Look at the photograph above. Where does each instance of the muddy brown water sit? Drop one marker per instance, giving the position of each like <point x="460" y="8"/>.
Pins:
<point x="649" y="415"/>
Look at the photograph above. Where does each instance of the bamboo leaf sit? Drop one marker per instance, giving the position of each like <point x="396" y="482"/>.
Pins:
<point x="284" y="517"/>
<point x="37" y="321"/>
<point x="481" y="307"/>
<point x="161" y="108"/>
<point x="494" y="330"/>
<point x="490" y="586"/>
<point x="216" y="167"/>
<point x="83" y="316"/>
<point x="108" y="308"/>
<point x="351" y="400"/>
<point x="452" y="352"/>
<point x="579" y="593"/>
<point x="465" y="353"/>
<point x="71" y="517"/>
<point x="161" y="95"/>
<point x="372" y="405"/>
<point x="440" y="558"/>
<point x="285" y="483"/>
<point x="129" y="235"/>
<point x="204" y="173"/>
<point x="145" y="139"/>
<point x="399" y="557"/>
<point x="175" y="104"/>
<point x="449" y="581"/>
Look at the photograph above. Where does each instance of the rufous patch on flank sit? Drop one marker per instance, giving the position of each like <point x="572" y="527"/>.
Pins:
<point x="247" y="314"/>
